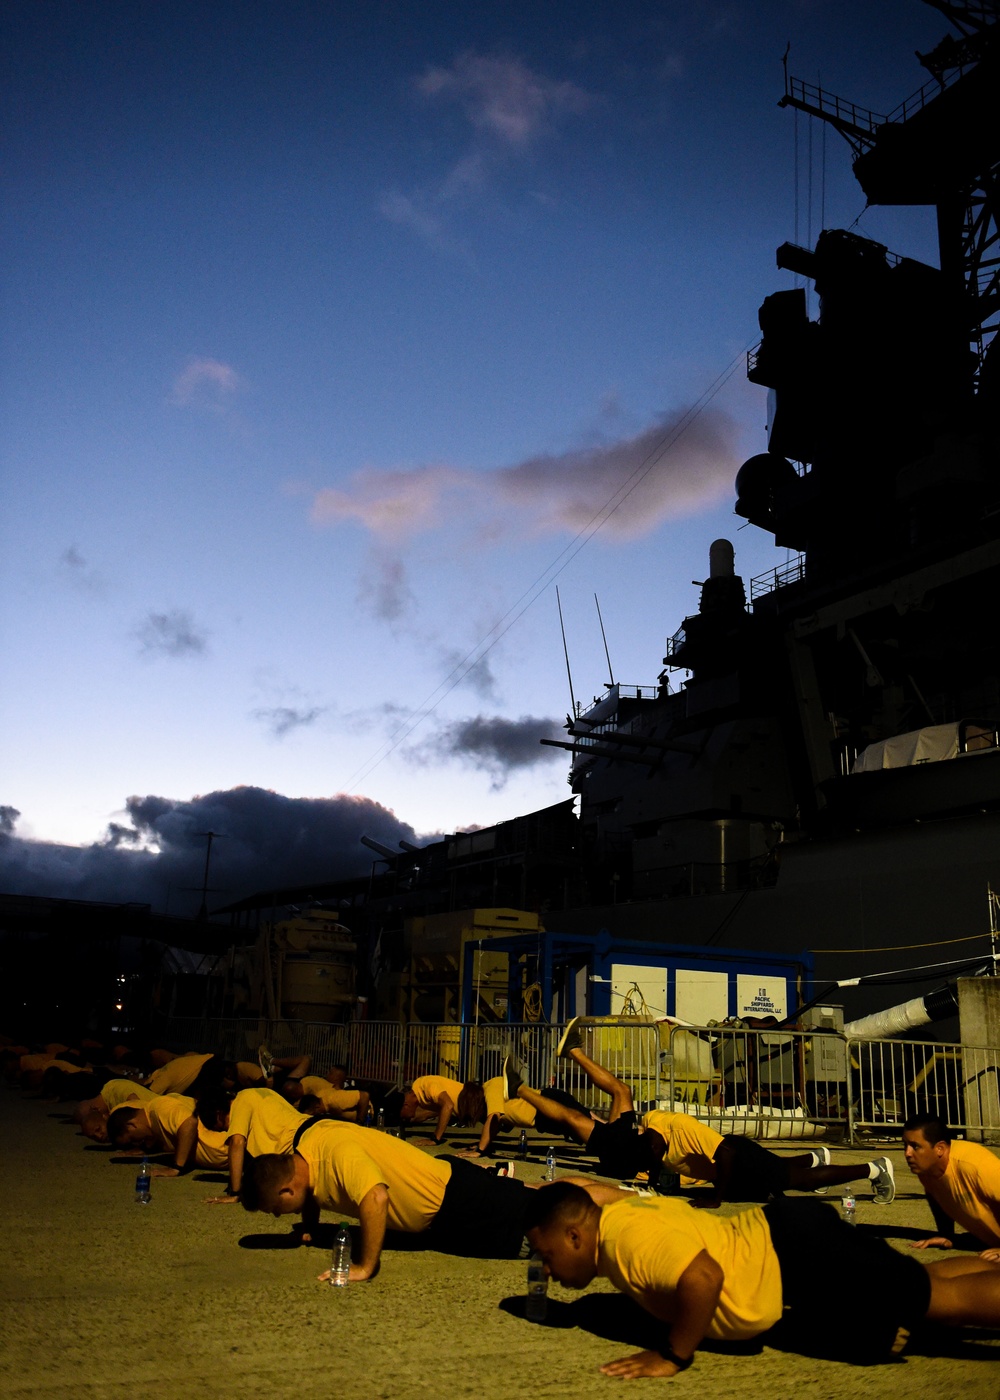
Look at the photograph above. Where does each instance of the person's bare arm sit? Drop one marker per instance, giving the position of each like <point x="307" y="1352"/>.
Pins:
<point x="490" y="1129"/>
<point x="373" y="1212"/>
<point x="945" y="1237"/>
<point x="184" y="1149"/>
<point x="310" y="1219"/>
<point x="696" y="1298"/>
<point x="237" y="1146"/>
<point x="446" y="1111"/>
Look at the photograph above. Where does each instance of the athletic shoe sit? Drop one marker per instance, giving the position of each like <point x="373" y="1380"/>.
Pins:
<point x="512" y="1081"/>
<point x="265" y="1061"/>
<point x="571" y="1039"/>
<point x="823" y="1153"/>
<point x="884" y="1185"/>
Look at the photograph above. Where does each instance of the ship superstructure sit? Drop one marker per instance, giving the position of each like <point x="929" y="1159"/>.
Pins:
<point x="819" y="763"/>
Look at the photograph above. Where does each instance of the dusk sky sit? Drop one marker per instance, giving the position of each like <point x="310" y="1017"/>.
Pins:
<point x="331" y="333"/>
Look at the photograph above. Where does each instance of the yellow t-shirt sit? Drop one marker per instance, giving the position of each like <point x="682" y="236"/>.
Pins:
<point x="690" y="1145"/>
<point x="644" y="1246"/>
<point x="337" y="1100"/>
<point x="31" y="1063"/>
<point x="118" y="1091"/>
<point x="66" y="1066"/>
<point x="346" y="1161"/>
<point x="176" y="1075"/>
<point x="427" y="1090"/>
<point x="265" y="1119"/>
<point x="969" y="1190"/>
<point x="515" y="1111"/>
<point x="249" y="1074"/>
<point x="168" y="1112"/>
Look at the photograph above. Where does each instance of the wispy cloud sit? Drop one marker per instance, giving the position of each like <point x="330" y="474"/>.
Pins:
<point x="172" y="634"/>
<point x="283" y="719"/>
<point x="503" y="96"/>
<point x="390" y="504"/>
<point x="80" y="574"/>
<point x="205" y="384"/>
<point x="507" y="108"/>
<point x="549" y="493"/>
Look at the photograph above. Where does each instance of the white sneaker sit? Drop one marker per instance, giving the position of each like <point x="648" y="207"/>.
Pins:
<point x="884" y="1185"/>
<point x="823" y="1153"/>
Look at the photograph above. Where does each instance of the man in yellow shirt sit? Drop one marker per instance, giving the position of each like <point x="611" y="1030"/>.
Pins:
<point x="339" y="1103"/>
<point x="733" y="1278"/>
<point x="387" y="1184"/>
<point x="961" y="1180"/>
<point x="438" y="1097"/>
<point x="738" y="1168"/>
<point x="92" y="1114"/>
<point x="258" y="1121"/>
<point x="167" y="1123"/>
<point x="182" y="1072"/>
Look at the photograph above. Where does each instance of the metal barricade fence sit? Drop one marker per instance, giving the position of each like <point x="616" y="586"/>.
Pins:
<point x="761" y="1083"/>
<point x="395" y="1053"/>
<point x="764" y="1083"/>
<point x="894" y="1080"/>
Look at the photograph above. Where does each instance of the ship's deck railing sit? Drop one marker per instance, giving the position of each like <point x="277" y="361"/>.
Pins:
<point x="780" y="1084"/>
<point x="619" y="692"/>
<point x="862" y="122"/>
<point x="792" y="572"/>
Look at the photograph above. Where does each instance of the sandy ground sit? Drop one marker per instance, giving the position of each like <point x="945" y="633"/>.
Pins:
<point x="102" y="1297"/>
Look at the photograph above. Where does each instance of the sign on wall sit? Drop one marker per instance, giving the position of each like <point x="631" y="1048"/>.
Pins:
<point x="761" y="996"/>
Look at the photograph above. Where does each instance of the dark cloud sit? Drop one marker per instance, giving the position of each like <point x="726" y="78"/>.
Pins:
<point x="8" y="820"/>
<point x="282" y="719"/>
<point x="494" y="745"/>
<point x="171" y="634"/>
<point x="266" y="841"/>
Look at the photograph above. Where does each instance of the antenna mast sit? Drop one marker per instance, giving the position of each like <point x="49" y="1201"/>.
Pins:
<point x="604" y="639"/>
<point x="569" y="674"/>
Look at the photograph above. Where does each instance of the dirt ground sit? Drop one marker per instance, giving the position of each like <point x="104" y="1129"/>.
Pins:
<point x="104" y="1298"/>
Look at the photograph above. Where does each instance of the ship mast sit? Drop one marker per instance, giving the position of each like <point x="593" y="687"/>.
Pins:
<point x="938" y="147"/>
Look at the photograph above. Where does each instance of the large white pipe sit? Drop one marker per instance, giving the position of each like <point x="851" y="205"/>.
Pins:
<point x="907" y="1016"/>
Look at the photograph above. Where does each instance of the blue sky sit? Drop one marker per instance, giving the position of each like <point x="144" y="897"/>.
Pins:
<point x="327" y="327"/>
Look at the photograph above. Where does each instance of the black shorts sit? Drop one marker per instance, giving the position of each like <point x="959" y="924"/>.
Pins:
<point x="619" y="1149"/>
<point x="544" y="1124"/>
<point x="846" y="1291"/>
<point x="482" y="1214"/>
<point x="758" y="1175"/>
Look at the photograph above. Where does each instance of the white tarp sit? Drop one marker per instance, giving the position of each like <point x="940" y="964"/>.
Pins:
<point x="928" y="745"/>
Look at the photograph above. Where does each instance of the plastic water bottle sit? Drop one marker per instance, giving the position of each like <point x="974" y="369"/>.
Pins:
<point x="340" y="1259"/>
<point x="522" y="1146"/>
<point x="537" y="1305"/>
<point x="849" y="1205"/>
<point x="143" y="1181"/>
<point x="369" y="1117"/>
<point x="380" y="1120"/>
<point x="550" y="1164"/>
